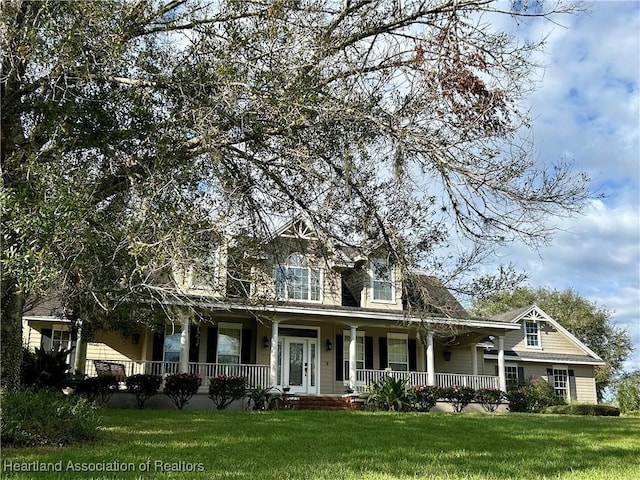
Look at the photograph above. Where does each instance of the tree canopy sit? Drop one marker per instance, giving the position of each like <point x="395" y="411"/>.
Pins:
<point x="131" y="131"/>
<point x="592" y="325"/>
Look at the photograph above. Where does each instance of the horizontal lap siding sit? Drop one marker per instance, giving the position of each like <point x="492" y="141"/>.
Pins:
<point x="551" y="341"/>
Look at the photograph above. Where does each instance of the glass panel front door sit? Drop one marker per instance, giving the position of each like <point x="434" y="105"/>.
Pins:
<point x="300" y="368"/>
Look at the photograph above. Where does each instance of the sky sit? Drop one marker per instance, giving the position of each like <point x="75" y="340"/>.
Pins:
<point x="587" y="109"/>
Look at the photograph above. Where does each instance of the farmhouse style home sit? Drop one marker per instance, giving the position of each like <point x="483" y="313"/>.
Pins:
<point x="315" y="323"/>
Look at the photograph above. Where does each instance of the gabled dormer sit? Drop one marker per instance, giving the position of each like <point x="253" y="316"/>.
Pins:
<point x="205" y="274"/>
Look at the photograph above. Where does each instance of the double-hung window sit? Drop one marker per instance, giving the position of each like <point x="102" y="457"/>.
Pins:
<point x="204" y="273"/>
<point x="511" y="373"/>
<point x="561" y="382"/>
<point x="172" y="347"/>
<point x="398" y="351"/>
<point x="60" y="340"/>
<point x="532" y="334"/>
<point x="229" y="343"/>
<point x="381" y="281"/>
<point x="296" y="280"/>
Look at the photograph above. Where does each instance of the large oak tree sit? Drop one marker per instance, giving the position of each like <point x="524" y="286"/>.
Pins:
<point x="131" y="131"/>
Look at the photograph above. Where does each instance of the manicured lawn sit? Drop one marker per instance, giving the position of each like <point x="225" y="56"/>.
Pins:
<point x="348" y="445"/>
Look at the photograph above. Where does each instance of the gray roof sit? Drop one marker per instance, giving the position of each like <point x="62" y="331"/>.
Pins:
<point x="44" y="307"/>
<point x="548" y="357"/>
<point x="511" y="315"/>
<point x="427" y="294"/>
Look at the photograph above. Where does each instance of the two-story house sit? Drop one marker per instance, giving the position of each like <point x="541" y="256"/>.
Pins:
<point x="310" y="319"/>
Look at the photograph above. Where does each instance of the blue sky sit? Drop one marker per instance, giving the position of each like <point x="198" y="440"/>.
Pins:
<point x="587" y="109"/>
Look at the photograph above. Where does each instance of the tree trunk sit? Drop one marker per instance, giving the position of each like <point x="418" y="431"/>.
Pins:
<point x="11" y="345"/>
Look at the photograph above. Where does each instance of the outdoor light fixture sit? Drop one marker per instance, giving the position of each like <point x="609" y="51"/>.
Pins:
<point x="447" y="355"/>
<point x="266" y="342"/>
<point x="135" y="338"/>
<point x="329" y="345"/>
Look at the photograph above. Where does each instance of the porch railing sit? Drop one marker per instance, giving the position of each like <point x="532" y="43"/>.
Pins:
<point x="367" y="377"/>
<point x="255" y="374"/>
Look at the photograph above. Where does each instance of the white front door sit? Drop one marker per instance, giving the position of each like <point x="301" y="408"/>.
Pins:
<point x="300" y="365"/>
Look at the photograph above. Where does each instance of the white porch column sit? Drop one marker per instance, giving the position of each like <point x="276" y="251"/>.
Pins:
<point x="352" y="357"/>
<point x="501" y="372"/>
<point x="81" y="351"/>
<point x="474" y="359"/>
<point x="431" y="369"/>
<point x="273" y="358"/>
<point x="185" y="320"/>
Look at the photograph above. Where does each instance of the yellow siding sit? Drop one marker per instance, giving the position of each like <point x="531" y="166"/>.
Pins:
<point x="551" y="341"/>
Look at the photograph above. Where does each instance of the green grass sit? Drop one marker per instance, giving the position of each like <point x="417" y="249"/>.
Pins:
<point x="350" y="445"/>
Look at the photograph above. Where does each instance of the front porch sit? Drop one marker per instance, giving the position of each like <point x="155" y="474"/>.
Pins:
<point x="259" y="375"/>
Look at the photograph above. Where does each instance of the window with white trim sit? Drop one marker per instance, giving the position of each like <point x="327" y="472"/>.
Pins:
<point x="172" y="347"/>
<point x="296" y="280"/>
<point x="561" y="382"/>
<point x="229" y="343"/>
<point x="346" y="335"/>
<point x="532" y="334"/>
<point x="382" y="281"/>
<point x="204" y="272"/>
<point x="398" y="351"/>
<point x="60" y="339"/>
<point x="511" y="373"/>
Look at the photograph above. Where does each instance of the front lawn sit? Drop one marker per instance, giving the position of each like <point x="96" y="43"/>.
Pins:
<point x="149" y="444"/>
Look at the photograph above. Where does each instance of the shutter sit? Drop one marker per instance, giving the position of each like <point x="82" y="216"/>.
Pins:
<point x="413" y="360"/>
<point x="157" y="350"/>
<point x="368" y="353"/>
<point x="496" y="370"/>
<point x="520" y="374"/>
<point x="212" y="344"/>
<point x="339" y="358"/>
<point x="382" y="347"/>
<point x="45" y="339"/>
<point x="245" y="347"/>
<point x="194" y="344"/>
<point x="573" y="394"/>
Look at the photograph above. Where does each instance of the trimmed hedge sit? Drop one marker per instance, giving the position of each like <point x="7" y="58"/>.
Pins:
<point x="584" y="409"/>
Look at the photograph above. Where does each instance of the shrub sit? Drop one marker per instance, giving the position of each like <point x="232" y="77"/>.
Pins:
<point x="490" y="398"/>
<point x="46" y="417"/>
<point x="181" y="387"/>
<point x="42" y="369"/>
<point x="458" y="397"/>
<point x="532" y="396"/>
<point x="261" y="398"/>
<point x="425" y="397"/>
<point x="583" y="409"/>
<point x="143" y="386"/>
<point x="225" y="389"/>
<point x="628" y="394"/>
<point x="390" y="394"/>
<point x="97" y="389"/>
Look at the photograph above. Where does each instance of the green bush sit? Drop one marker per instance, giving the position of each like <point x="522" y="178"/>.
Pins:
<point x="40" y="369"/>
<point x="532" y="396"/>
<point x="181" y="387"/>
<point x="628" y="394"/>
<point x="583" y="409"/>
<point x="425" y="397"/>
<point x="97" y="389"/>
<point x="458" y="397"/>
<point x="261" y="398"/>
<point x="390" y="394"/>
<point x="46" y="417"/>
<point x="143" y="386"/>
<point x="225" y="389"/>
<point x="490" y="398"/>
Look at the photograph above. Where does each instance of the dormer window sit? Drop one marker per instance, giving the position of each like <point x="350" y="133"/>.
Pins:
<point x="204" y="272"/>
<point x="381" y="281"/>
<point x="296" y="280"/>
<point x="532" y="334"/>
